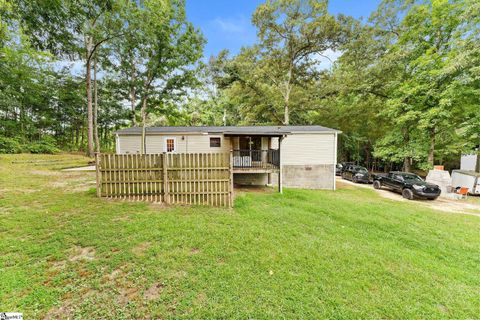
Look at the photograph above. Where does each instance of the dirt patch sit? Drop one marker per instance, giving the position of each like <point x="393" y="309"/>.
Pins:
<point x="44" y="173"/>
<point x="140" y="249"/>
<point x="194" y="251"/>
<point x="58" y="265"/>
<point x="64" y="311"/>
<point x="122" y="218"/>
<point x="254" y="189"/>
<point x="82" y="253"/>
<point x="83" y="186"/>
<point x="441" y="204"/>
<point x="201" y="298"/>
<point x="153" y="293"/>
<point x="116" y="274"/>
<point x="126" y="294"/>
<point x="342" y="185"/>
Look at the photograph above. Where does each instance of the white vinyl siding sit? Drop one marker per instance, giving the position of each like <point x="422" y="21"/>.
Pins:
<point x="128" y="144"/>
<point x="308" y="149"/>
<point x="183" y="143"/>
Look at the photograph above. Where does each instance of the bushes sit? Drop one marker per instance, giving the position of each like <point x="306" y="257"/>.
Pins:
<point x="11" y="145"/>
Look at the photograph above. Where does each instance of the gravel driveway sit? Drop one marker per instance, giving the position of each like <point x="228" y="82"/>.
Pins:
<point x="442" y="204"/>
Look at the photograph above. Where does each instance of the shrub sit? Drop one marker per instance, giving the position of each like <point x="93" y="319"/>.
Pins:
<point x="46" y="145"/>
<point x="10" y="145"/>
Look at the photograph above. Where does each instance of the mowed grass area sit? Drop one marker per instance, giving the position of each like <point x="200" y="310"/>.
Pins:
<point x="347" y="254"/>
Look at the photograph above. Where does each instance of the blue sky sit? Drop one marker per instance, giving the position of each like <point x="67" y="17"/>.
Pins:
<point x="226" y="23"/>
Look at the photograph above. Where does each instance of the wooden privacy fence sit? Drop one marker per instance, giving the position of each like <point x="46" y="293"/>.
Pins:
<point x="184" y="178"/>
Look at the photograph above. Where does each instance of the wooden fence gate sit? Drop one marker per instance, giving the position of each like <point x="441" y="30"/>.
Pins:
<point x="184" y="178"/>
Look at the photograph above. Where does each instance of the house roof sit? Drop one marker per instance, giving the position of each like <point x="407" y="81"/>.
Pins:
<point x="229" y="130"/>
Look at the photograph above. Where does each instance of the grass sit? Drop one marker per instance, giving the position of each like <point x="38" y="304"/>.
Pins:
<point x="347" y="254"/>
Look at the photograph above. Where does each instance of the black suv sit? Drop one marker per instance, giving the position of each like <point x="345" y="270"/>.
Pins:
<point x="356" y="173"/>
<point x="409" y="184"/>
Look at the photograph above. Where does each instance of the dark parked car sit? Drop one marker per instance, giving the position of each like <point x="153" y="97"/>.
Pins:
<point x="410" y="185"/>
<point x="356" y="173"/>
<point x="338" y="169"/>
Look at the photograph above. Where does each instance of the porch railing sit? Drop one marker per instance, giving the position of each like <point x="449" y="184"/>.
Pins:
<point x="257" y="159"/>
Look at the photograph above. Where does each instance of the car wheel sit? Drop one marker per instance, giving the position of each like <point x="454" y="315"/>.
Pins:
<point x="407" y="194"/>
<point x="377" y="185"/>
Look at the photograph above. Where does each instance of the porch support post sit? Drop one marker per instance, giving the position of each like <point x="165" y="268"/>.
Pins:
<point x="280" y="170"/>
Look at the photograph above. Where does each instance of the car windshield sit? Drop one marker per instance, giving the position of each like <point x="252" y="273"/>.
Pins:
<point x="361" y="169"/>
<point x="411" y="177"/>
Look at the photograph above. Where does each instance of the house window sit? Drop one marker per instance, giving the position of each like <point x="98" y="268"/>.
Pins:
<point x="215" y="142"/>
<point x="170" y="144"/>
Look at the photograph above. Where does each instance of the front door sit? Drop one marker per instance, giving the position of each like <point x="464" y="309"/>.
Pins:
<point x="250" y="146"/>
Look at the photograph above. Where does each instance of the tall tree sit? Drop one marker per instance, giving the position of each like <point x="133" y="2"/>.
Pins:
<point x="293" y="34"/>
<point x="166" y="47"/>
<point x="74" y="29"/>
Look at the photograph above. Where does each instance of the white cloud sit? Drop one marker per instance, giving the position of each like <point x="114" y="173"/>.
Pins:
<point x="231" y="25"/>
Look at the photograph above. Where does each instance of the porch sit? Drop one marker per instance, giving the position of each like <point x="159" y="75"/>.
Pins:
<point x="256" y="161"/>
<point x="255" y="153"/>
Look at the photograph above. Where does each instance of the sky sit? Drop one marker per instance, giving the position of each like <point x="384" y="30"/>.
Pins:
<point x="226" y="24"/>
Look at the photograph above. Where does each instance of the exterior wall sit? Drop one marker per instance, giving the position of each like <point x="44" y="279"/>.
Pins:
<point x="250" y="179"/>
<point x="320" y="176"/>
<point x="308" y="160"/>
<point x="307" y="149"/>
<point x="128" y="144"/>
<point x="183" y="143"/>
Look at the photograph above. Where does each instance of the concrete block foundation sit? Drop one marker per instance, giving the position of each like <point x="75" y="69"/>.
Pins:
<point x="320" y="176"/>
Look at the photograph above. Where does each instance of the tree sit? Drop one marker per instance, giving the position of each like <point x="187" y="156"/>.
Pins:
<point x="166" y="47"/>
<point x="292" y="35"/>
<point x="74" y="29"/>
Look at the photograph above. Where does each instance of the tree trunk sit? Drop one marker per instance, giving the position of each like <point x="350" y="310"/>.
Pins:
<point x="133" y="98"/>
<point x="95" y="113"/>
<point x="431" y="150"/>
<point x="286" y="120"/>
<point x="407" y="164"/>
<point x="90" y="150"/>
<point x="477" y="166"/>
<point x="144" y="122"/>
<point x="288" y="89"/>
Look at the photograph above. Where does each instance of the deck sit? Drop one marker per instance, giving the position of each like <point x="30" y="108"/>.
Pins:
<point x="256" y="161"/>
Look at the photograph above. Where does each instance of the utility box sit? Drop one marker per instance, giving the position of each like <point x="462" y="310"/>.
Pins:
<point x="441" y="178"/>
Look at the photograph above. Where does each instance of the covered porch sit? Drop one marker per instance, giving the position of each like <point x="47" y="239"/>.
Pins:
<point x="256" y="154"/>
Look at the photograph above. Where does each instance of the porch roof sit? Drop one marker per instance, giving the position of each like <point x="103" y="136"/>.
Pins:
<point x="229" y="130"/>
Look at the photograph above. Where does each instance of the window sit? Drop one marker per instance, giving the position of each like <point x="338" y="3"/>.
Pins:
<point x="215" y="142"/>
<point x="170" y="144"/>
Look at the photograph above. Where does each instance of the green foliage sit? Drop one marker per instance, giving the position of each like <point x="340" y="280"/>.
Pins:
<point x="46" y="145"/>
<point x="10" y="145"/>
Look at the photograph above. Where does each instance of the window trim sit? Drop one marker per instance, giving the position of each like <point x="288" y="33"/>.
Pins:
<point x="174" y="144"/>
<point x="210" y="142"/>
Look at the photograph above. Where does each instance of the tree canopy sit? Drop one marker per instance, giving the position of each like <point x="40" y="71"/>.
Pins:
<point x="404" y="90"/>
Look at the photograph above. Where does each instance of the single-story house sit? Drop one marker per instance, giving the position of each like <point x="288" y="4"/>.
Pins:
<point x="301" y="156"/>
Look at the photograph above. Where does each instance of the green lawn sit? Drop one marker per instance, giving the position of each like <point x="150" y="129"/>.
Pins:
<point x="347" y="254"/>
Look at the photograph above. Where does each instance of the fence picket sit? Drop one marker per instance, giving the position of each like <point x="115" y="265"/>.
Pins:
<point x="190" y="178"/>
